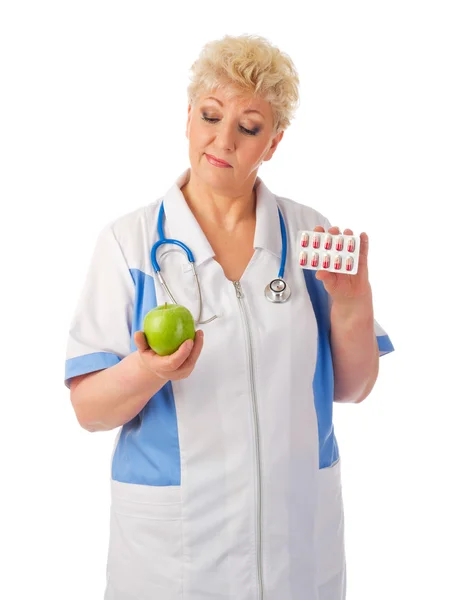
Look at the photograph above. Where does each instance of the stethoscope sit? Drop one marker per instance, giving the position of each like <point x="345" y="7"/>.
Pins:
<point x="277" y="291"/>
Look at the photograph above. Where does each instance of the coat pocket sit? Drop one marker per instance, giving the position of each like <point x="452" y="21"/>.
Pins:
<point x="145" y="543"/>
<point x="329" y="525"/>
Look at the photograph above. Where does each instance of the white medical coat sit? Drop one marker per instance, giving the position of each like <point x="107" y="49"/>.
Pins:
<point x="227" y="485"/>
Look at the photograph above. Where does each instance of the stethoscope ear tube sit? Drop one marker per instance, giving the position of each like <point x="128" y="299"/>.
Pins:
<point x="156" y="246"/>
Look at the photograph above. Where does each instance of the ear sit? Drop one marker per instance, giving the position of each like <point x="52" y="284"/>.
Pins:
<point x="274" y="144"/>
<point x="188" y="121"/>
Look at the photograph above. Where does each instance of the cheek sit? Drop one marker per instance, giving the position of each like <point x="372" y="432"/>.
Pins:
<point x="197" y="136"/>
<point x="255" y="153"/>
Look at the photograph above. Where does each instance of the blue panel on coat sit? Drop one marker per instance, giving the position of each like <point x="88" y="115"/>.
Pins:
<point x="323" y="380"/>
<point x="148" y="449"/>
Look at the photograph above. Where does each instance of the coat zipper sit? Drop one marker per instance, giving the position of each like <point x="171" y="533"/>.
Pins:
<point x="241" y="302"/>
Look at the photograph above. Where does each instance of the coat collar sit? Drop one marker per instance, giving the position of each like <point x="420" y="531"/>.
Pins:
<point x="181" y="224"/>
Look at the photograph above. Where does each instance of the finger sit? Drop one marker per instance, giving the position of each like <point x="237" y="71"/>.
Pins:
<point x="319" y="228"/>
<point x="195" y="352"/>
<point x="364" y="249"/>
<point x="348" y="232"/>
<point x="172" y="362"/>
<point x="141" y="341"/>
<point x="334" y="230"/>
<point x="326" y="276"/>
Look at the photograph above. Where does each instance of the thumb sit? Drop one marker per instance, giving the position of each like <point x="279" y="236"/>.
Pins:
<point x="141" y="341"/>
<point x="323" y="275"/>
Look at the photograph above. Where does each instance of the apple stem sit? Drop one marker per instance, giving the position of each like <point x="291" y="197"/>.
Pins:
<point x="166" y="304"/>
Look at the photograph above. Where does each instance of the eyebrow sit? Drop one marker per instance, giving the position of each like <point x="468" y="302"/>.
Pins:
<point x="249" y="110"/>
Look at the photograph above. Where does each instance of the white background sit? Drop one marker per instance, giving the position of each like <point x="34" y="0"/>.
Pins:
<point x="93" y="112"/>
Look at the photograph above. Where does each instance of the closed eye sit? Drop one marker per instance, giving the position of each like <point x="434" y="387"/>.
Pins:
<point x="247" y="131"/>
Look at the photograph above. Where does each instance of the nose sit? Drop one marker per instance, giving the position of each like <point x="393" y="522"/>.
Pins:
<point x="225" y="138"/>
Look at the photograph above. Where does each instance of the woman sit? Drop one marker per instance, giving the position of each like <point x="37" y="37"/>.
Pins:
<point x="226" y="471"/>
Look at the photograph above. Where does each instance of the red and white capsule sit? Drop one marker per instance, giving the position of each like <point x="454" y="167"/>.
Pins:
<point x="328" y="242"/>
<point x="337" y="263"/>
<point x="351" y="244"/>
<point x="326" y="261"/>
<point x="304" y="240"/>
<point x="316" y="240"/>
<point x="303" y="259"/>
<point x="339" y="243"/>
<point x="349" y="263"/>
<point x="315" y="259"/>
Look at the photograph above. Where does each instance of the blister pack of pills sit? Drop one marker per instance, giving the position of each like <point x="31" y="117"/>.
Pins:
<point x="325" y="251"/>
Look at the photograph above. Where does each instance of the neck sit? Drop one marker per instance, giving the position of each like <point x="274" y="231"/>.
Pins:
<point x="222" y="210"/>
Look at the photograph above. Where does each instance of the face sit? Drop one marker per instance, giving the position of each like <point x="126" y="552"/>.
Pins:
<point x="238" y="131"/>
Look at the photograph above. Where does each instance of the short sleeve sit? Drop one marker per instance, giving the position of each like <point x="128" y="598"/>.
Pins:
<point x="383" y="340"/>
<point x="100" y="331"/>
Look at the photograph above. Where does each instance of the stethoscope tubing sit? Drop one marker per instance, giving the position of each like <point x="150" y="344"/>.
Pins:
<point x="270" y="293"/>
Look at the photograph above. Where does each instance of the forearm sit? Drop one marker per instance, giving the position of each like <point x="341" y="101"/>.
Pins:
<point x="113" y="396"/>
<point x="354" y="349"/>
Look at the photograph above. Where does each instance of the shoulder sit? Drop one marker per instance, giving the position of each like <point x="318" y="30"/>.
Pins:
<point x="301" y="216"/>
<point x="131" y="223"/>
<point x="131" y="233"/>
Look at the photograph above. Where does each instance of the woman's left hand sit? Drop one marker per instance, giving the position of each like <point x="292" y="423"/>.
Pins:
<point x="344" y="288"/>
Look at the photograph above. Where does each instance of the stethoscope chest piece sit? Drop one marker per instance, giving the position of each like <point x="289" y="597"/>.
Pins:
<point x="277" y="291"/>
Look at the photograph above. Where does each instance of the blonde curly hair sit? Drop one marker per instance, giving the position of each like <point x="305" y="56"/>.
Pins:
<point x="248" y="64"/>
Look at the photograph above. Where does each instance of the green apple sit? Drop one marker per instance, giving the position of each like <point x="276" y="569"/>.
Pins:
<point x="166" y="327"/>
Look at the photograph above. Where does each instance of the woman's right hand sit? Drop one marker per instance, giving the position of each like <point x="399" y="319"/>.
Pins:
<point x="178" y="365"/>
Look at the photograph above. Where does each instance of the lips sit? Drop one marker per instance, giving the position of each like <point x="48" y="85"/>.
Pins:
<point x="217" y="161"/>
